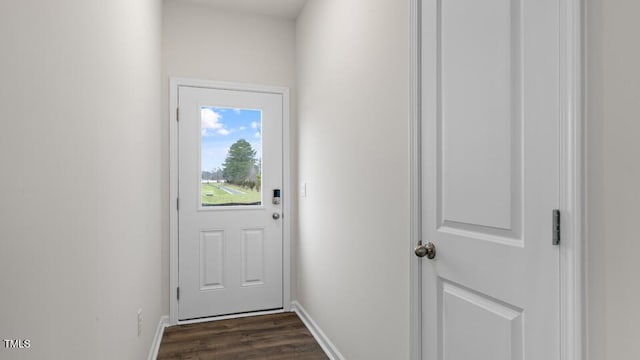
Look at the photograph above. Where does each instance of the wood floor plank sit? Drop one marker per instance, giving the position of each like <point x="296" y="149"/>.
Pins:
<point x="266" y="337"/>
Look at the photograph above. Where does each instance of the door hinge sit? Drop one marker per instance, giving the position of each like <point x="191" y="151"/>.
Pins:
<point x="178" y="204"/>
<point x="556" y="227"/>
<point x="178" y="292"/>
<point x="178" y="114"/>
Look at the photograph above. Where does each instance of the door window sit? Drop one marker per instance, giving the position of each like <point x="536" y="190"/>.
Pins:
<point x="230" y="156"/>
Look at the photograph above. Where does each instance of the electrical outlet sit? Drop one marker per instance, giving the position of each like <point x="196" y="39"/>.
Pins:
<point x="139" y="322"/>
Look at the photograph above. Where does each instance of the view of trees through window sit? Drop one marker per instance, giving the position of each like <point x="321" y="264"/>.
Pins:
<point x="231" y="160"/>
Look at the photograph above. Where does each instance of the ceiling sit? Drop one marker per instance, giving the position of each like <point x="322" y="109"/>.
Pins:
<point x="281" y="8"/>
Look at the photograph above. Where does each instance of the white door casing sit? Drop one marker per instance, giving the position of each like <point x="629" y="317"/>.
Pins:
<point x="228" y="259"/>
<point x="491" y="154"/>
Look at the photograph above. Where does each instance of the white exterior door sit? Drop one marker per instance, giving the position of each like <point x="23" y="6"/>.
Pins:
<point x="230" y="228"/>
<point x="490" y="179"/>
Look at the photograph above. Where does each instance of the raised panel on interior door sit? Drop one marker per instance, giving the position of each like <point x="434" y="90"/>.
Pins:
<point x="474" y="326"/>
<point x="479" y="116"/>
<point x="211" y="259"/>
<point x="253" y="254"/>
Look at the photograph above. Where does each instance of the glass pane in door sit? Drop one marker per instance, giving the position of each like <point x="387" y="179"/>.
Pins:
<point x="230" y="156"/>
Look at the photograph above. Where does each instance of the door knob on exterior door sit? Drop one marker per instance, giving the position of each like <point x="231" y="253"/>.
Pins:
<point x="428" y="250"/>
<point x="275" y="216"/>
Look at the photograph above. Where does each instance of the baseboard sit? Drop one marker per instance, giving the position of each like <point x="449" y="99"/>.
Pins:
<point x="322" y="339"/>
<point x="155" y="346"/>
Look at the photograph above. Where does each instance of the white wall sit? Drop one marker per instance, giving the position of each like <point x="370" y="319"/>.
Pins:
<point x="613" y="57"/>
<point x="80" y="215"/>
<point x="204" y="43"/>
<point x="353" y="258"/>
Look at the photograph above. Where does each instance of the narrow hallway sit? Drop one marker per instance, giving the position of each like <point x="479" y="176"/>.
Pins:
<point x="267" y="337"/>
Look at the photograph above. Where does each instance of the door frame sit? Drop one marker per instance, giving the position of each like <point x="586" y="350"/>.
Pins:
<point x="174" y="83"/>
<point x="572" y="180"/>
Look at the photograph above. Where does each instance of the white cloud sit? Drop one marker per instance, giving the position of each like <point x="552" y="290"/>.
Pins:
<point x="210" y="120"/>
<point x="257" y="134"/>
<point x="242" y="128"/>
<point x="254" y="125"/>
<point x="210" y="123"/>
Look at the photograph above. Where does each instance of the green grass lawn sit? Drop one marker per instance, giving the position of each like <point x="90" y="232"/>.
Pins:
<point x="212" y="194"/>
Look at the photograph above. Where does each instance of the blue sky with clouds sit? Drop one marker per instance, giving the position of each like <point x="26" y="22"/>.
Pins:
<point x="221" y="127"/>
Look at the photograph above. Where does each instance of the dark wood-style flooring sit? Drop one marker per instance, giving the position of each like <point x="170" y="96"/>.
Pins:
<point x="266" y="337"/>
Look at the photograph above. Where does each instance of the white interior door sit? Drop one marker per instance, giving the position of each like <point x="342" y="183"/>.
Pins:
<point x="490" y="179"/>
<point x="230" y="227"/>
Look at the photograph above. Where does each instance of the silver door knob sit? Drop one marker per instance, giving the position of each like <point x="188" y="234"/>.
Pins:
<point x="428" y="250"/>
<point x="275" y="216"/>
